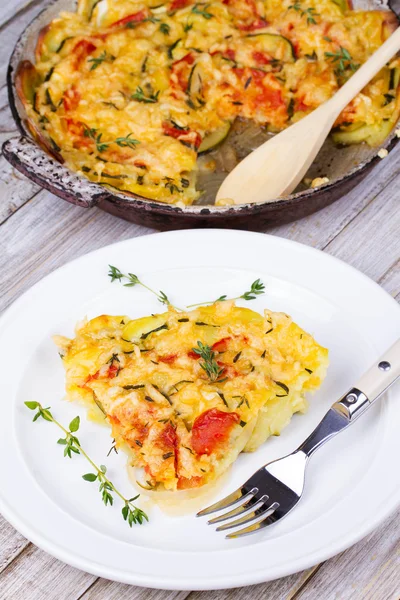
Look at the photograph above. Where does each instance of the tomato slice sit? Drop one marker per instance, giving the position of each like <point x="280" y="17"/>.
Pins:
<point x="221" y="345"/>
<point x="135" y="18"/>
<point x="71" y="99"/>
<point x="211" y="429"/>
<point x="81" y="51"/>
<point x="177" y="4"/>
<point x="167" y="359"/>
<point x="186" y="136"/>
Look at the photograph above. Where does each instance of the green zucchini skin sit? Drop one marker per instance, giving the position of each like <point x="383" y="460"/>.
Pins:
<point x="215" y="138"/>
<point x="272" y="43"/>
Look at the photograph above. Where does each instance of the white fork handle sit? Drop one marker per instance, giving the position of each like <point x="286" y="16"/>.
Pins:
<point x="382" y="374"/>
<point x="357" y="400"/>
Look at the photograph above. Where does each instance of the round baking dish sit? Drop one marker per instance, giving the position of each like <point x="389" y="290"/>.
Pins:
<point x="344" y="167"/>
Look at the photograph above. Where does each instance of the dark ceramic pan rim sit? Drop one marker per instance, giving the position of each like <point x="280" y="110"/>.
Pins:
<point x="192" y="210"/>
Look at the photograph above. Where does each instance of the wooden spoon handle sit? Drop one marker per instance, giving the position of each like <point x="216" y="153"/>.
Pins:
<point x="365" y="73"/>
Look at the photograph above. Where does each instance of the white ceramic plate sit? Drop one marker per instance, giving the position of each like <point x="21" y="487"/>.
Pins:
<point x="353" y="482"/>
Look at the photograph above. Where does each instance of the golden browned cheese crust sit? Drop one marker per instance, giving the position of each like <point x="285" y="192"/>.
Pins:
<point x="129" y="92"/>
<point x="181" y="423"/>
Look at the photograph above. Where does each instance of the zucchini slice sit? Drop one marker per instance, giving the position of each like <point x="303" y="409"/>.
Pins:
<point x="342" y="4"/>
<point x="141" y="328"/>
<point x="213" y="139"/>
<point x="373" y="135"/>
<point x="195" y="87"/>
<point x="27" y="80"/>
<point x="277" y="46"/>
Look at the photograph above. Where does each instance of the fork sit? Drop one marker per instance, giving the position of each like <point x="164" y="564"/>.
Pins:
<point x="275" y="489"/>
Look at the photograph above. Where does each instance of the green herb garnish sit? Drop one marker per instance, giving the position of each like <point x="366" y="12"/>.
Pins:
<point x="96" y="137"/>
<point x="310" y="13"/>
<point x="140" y="96"/>
<point x="257" y="288"/>
<point x="165" y="28"/>
<point x="201" y="9"/>
<point x="115" y="274"/>
<point x="130" y="513"/>
<point x="209" y="365"/>
<point x="343" y="61"/>
<point x="104" y="57"/>
<point x="127" y="142"/>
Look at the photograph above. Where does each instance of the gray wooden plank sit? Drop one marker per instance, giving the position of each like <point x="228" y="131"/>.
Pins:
<point x="15" y="190"/>
<point x="10" y="11"/>
<point x="285" y="588"/>
<point x="109" y="590"/>
<point x="35" y="575"/>
<point x="65" y="232"/>
<point x="370" y="570"/>
<point x="12" y="543"/>
<point x="391" y="280"/>
<point x="370" y="242"/>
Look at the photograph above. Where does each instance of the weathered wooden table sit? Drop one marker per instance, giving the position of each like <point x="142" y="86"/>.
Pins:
<point x="40" y="232"/>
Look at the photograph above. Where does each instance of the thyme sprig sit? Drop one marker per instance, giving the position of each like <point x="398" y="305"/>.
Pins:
<point x="257" y="288"/>
<point x="130" y="513"/>
<point x="343" y="61"/>
<point x="91" y="133"/>
<point x="104" y="57"/>
<point x="140" y="96"/>
<point x="115" y="274"/>
<point x="209" y="364"/>
<point x="201" y="9"/>
<point x="165" y="28"/>
<point x="310" y="13"/>
<point x="127" y="141"/>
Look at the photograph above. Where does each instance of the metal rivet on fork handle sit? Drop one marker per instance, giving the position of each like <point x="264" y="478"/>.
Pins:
<point x="351" y="398"/>
<point x="384" y="365"/>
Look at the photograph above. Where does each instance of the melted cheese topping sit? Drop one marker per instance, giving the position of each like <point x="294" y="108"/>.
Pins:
<point x="129" y="92"/>
<point x="183" y="426"/>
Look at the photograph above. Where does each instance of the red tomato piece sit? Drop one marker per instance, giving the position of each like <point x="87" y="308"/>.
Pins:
<point x="261" y="58"/>
<point x="221" y="345"/>
<point x="168" y="437"/>
<point x="81" y="51"/>
<point x="258" y="23"/>
<point x="71" y="99"/>
<point x="194" y="355"/>
<point x="167" y="359"/>
<point x="113" y="371"/>
<point x="211" y="429"/>
<point x="177" y="4"/>
<point x="135" y="18"/>
<point x="191" y="138"/>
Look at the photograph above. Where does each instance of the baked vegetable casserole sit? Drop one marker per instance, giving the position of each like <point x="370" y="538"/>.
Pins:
<point x="130" y="92"/>
<point x="186" y="392"/>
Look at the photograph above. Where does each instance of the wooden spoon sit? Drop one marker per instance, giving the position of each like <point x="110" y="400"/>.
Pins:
<point x="277" y="166"/>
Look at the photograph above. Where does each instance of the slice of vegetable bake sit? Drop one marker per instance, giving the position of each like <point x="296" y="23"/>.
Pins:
<point x="186" y="392"/>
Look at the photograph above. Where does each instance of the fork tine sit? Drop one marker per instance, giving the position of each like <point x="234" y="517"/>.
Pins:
<point x="270" y="519"/>
<point x="249" y="501"/>
<point x="228" y="501"/>
<point x="258" y="513"/>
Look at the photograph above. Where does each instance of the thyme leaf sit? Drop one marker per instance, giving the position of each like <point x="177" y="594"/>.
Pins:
<point x="107" y="489"/>
<point x="209" y="363"/>
<point x="116" y="275"/>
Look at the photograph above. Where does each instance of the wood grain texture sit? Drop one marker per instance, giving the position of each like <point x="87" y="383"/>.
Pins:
<point x="370" y="570"/>
<point x="12" y="543"/>
<point x="33" y="574"/>
<point x="109" y="590"/>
